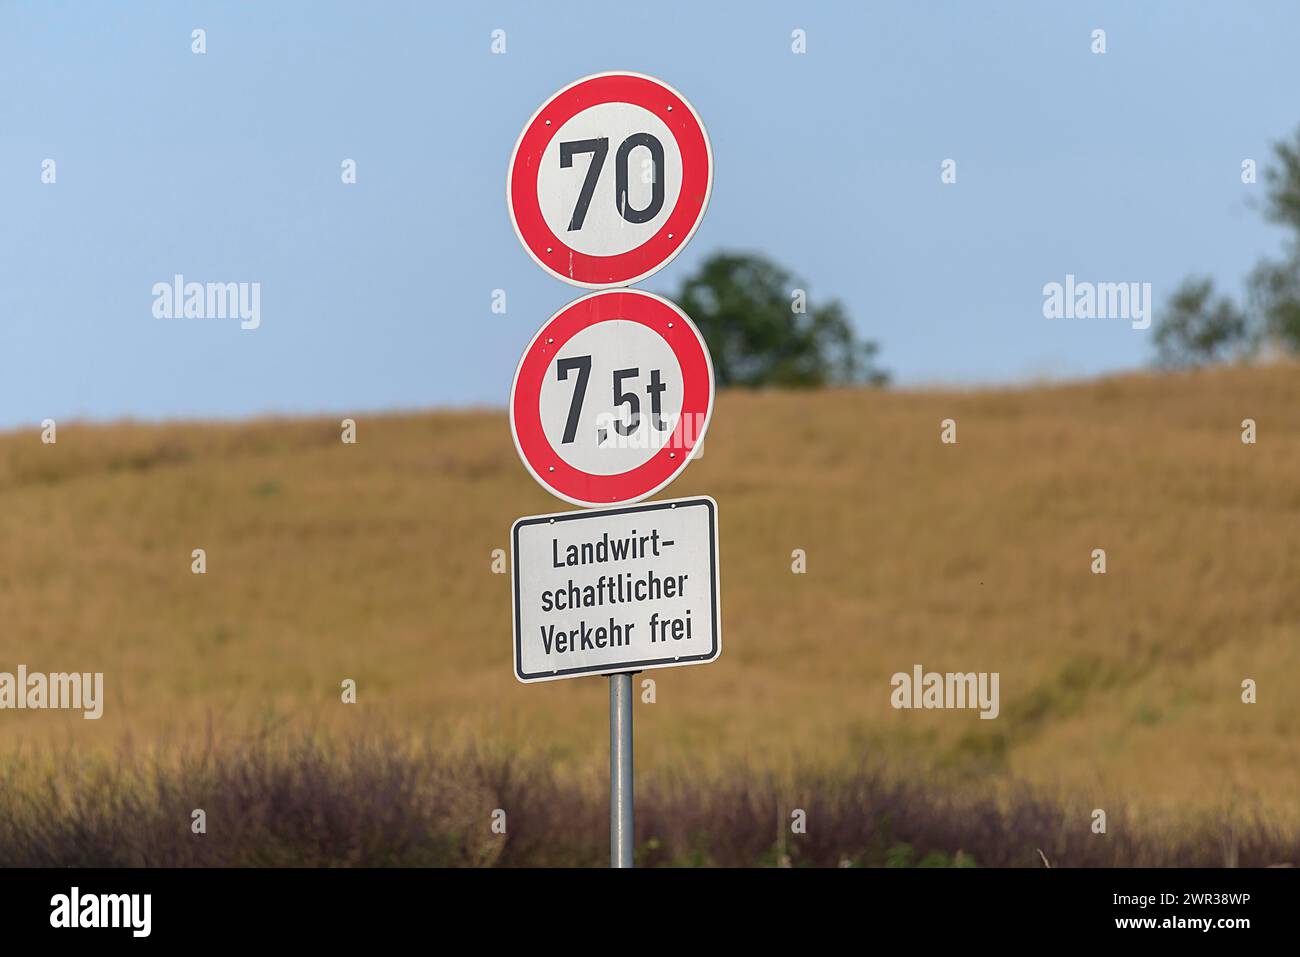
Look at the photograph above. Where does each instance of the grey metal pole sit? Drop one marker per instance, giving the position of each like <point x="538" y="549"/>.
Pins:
<point x="620" y="770"/>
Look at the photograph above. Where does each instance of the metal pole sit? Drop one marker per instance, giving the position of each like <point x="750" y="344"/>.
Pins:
<point x="620" y="770"/>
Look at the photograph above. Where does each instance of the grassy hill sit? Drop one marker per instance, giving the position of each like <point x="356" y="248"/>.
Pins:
<point x="373" y="561"/>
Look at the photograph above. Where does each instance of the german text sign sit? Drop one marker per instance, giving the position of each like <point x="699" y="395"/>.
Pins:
<point x="622" y="589"/>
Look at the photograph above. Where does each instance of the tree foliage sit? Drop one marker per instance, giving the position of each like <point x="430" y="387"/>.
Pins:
<point x="763" y="330"/>
<point x="1275" y="285"/>
<point x="1197" y="328"/>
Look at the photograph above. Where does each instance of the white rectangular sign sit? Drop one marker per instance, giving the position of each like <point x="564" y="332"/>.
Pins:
<point x="618" y="589"/>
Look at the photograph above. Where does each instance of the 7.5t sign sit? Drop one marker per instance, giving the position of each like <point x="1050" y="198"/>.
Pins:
<point x="611" y="397"/>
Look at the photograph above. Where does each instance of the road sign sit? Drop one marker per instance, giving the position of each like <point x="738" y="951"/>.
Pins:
<point x="609" y="179"/>
<point x="611" y="397"/>
<point x="616" y="590"/>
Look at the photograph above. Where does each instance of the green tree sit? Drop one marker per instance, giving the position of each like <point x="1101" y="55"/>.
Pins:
<point x="762" y="329"/>
<point x="1275" y="285"/>
<point x="1275" y="300"/>
<point x="1197" y="328"/>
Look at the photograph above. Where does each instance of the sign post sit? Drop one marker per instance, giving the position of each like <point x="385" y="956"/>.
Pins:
<point x="613" y="592"/>
<point x="607" y="183"/>
<point x="620" y="770"/>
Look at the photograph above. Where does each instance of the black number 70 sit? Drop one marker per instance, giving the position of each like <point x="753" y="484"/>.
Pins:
<point x="599" y="148"/>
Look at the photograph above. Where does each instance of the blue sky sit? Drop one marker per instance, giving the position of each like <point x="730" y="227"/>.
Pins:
<point x="226" y="167"/>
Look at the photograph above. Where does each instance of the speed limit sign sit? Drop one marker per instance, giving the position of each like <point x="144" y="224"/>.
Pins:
<point x="611" y="397"/>
<point x="609" y="179"/>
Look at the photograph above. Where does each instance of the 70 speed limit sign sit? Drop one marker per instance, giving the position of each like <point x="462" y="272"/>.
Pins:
<point x="611" y="397"/>
<point x="609" y="179"/>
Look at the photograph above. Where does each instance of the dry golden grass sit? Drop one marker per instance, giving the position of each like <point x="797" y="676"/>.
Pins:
<point x="372" y="562"/>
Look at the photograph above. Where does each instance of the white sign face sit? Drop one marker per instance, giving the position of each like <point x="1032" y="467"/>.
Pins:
<point x="632" y="191"/>
<point x="622" y="589"/>
<point x="627" y="360"/>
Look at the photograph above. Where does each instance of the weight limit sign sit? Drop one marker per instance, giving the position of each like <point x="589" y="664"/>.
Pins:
<point x="609" y="179"/>
<point x="611" y="397"/>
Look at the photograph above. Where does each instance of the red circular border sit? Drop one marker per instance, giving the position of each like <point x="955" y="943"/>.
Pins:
<point x="630" y="305"/>
<point x="525" y="164"/>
